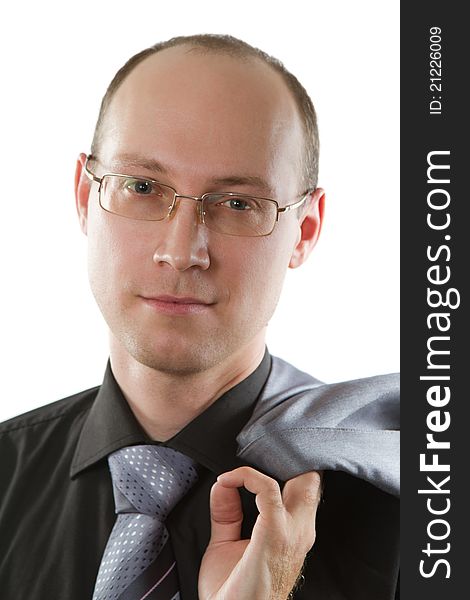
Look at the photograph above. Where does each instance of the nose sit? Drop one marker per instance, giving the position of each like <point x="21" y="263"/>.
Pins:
<point x="184" y="241"/>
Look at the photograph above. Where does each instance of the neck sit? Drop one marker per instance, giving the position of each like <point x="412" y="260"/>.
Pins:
<point x="164" y="403"/>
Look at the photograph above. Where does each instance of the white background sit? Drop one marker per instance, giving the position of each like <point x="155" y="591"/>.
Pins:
<point x="338" y="317"/>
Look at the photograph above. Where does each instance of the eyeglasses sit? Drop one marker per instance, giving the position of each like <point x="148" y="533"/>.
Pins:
<point x="230" y="213"/>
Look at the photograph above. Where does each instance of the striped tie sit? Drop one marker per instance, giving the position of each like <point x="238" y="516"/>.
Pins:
<point x="138" y="562"/>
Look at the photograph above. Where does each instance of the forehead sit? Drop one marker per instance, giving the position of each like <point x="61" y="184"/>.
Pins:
<point x="198" y="110"/>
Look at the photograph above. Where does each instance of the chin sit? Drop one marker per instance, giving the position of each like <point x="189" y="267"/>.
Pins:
<point x="177" y="357"/>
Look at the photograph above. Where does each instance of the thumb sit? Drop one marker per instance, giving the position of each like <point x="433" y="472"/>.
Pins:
<point x="226" y="513"/>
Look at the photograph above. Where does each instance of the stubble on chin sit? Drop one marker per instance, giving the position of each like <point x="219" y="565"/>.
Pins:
<point x="177" y="353"/>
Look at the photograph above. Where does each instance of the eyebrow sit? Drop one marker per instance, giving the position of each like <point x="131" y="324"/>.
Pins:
<point x="136" y="161"/>
<point x="132" y="160"/>
<point x="250" y="180"/>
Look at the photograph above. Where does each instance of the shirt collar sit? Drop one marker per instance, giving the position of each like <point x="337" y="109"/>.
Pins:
<point x="209" y="438"/>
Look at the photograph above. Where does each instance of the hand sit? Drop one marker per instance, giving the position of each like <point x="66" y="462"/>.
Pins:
<point x="266" y="566"/>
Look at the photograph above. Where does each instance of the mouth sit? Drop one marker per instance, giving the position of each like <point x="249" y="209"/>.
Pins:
<point x="177" y="305"/>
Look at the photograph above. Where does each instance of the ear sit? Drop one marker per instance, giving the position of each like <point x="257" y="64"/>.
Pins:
<point x="310" y="227"/>
<point x="82" y="192"/>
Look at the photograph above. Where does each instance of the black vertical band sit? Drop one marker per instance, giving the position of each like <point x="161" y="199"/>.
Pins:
<point x="435" y="314"/>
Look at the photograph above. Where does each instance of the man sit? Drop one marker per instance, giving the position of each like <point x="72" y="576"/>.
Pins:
<point x="200" y="191"/>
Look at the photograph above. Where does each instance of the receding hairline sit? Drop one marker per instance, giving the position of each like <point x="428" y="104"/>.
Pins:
<point x="244" y="54"/>
<point x="193" y="50"/>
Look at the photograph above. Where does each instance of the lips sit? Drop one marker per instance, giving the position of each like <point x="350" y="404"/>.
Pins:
<point x="177" y="305"/>
<point x="179" y="300"/>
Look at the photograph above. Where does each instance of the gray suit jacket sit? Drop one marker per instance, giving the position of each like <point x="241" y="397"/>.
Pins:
<point x="300" y="424"/>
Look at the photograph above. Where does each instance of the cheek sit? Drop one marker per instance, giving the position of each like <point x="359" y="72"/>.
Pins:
<point x="278" y="249"/>
<point x="255" y="273"/>
<point x="113" y="255"/>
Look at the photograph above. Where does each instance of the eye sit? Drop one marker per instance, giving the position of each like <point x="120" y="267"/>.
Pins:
<point x="240" y="204"/>
<point x="142" y="187"/>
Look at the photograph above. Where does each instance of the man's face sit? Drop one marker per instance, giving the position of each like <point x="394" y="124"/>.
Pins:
<point x="199" y="123"/>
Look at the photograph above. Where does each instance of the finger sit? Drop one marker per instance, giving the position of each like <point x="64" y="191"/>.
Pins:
<point x="301" y="495"/>
<point x="268" y="493"/>
<point x="226" y="514"/>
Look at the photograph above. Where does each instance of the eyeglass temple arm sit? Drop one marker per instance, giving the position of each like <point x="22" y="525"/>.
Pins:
<point x="89" y="174"/>
<point x="295" y="204"/>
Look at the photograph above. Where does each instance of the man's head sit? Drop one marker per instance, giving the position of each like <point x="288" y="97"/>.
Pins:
<point x="199" y="119"/>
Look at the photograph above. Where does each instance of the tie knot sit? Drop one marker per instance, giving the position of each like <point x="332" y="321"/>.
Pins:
<point x="150" y="480"/>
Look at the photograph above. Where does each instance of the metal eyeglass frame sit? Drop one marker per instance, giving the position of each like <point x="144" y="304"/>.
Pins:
<point x="200" y="199"/>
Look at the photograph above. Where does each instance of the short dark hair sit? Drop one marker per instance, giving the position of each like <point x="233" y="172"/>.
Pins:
<point x="227" y="44"/>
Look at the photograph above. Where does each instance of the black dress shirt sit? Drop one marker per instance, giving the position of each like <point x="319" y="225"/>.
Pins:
<point x="57" y="506"/>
